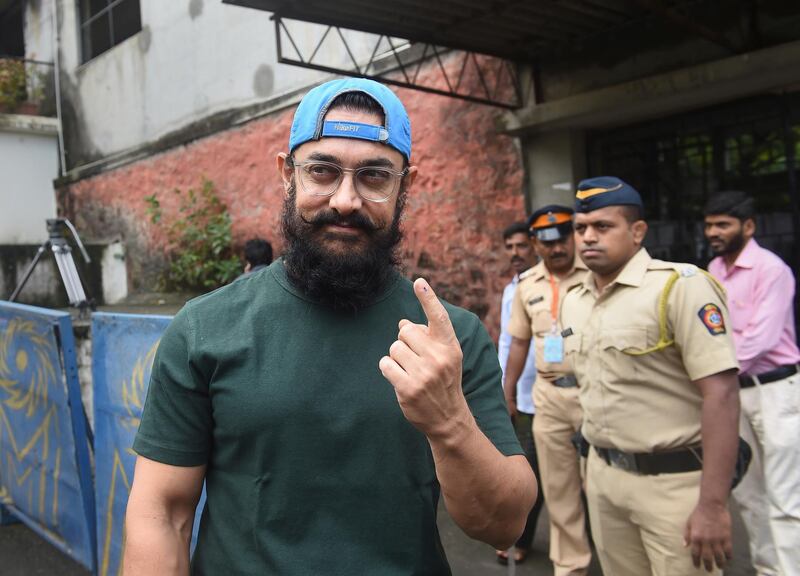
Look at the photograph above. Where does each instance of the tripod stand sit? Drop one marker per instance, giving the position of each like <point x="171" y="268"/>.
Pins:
<point x="66" y="265"/>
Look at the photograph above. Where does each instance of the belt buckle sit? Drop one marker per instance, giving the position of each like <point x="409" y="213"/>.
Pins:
<point x="623" y="461"/>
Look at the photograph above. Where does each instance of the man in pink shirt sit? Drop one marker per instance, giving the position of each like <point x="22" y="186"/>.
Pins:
<point x="761" y="290"/>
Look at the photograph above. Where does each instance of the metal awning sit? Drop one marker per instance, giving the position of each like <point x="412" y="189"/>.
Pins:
<point x="537" y="32"/>
<point x="518" y="30"/>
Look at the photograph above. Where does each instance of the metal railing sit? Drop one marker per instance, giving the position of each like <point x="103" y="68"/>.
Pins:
<point x="27" y="87"/>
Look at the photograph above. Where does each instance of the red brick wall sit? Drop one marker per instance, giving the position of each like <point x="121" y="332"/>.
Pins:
<point x="469" y="188"/>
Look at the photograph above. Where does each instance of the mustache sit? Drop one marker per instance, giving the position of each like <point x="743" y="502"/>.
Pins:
<point x="515" y="259"/>
<point x="330" y="217"/>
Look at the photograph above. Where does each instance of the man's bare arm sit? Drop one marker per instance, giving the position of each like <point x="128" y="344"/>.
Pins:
<point x="708" y="530"/>
<point x="488" y="494"/>
<point x="158" y="521"/>
<point x="517" y="356"/>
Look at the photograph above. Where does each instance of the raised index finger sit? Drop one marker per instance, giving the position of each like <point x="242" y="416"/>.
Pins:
<point x="439" y="324"/>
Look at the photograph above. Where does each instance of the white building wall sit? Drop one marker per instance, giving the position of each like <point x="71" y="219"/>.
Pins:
<point x="28" y="165"/>
<point x="192" y="58"/>
<point x="38" y="32"/>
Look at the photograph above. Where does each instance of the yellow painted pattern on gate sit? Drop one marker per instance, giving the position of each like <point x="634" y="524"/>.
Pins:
<point x="26" y="377"/>
<point x="132" y="395"/>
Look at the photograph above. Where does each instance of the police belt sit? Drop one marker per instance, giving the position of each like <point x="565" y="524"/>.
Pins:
<point x="687" y="459"/>
<point x="568" y="381"/>
<point x="778" y="373"/>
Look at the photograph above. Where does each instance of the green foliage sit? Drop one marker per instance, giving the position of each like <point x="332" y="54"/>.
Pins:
<point x="12" y="83"/>
<point x="200" y="252"/>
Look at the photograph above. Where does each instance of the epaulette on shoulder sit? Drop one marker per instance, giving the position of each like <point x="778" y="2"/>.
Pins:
<point x="576" y="287"/>
<point x="527" y="274"/>
<point x="683" y="269"/>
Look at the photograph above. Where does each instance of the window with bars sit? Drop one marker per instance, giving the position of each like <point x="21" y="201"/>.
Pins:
<point x="106" y="23"/>
<point x="677" y="162"/>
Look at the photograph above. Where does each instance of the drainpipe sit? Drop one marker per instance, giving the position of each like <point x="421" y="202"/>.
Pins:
<point x="57" y="74"/>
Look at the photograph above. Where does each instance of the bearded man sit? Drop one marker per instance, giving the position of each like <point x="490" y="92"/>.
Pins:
<point x="760" y="288"/>
<point x="325" y="400"/>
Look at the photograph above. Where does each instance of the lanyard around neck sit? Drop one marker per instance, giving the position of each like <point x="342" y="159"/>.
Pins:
<point x="554" y="300"/>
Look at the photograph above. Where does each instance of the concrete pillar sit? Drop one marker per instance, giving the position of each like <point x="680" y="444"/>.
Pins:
<point x="554" y="164"/>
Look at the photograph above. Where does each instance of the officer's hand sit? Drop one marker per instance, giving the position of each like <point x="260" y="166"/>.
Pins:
<point x="424" y="366"/>
<point x="708" y="533"/>
<point x="511" y="404"/>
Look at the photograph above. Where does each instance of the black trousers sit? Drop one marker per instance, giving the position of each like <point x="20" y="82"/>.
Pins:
<point x="523" y="426"/>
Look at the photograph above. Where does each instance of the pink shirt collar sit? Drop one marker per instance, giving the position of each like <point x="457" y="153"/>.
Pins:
<point x="746" y="259"/>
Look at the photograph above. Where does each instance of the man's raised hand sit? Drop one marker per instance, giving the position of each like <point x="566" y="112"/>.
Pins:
<point x="424" y="366"/>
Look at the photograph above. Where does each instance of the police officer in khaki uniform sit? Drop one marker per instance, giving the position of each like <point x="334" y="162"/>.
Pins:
<point x="555" y="393"/>
<point x="650" y="347"/>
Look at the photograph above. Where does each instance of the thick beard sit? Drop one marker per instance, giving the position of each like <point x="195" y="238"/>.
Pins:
<point x="734" y="246"/>
<point x="347" y="280"/>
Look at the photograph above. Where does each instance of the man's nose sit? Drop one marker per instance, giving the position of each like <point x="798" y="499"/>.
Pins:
<point x="589" y="236"/>
<point x="345" y="199"/>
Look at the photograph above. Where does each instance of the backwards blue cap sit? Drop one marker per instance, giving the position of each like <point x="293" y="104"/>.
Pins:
<point x="596" y="193"/>
<point x="309" y="118"/>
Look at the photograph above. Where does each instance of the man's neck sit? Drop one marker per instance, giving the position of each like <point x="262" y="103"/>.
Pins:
<point x="601" y="281"/>
<point x="731" y="257"/>
<point x="563" y="273"/>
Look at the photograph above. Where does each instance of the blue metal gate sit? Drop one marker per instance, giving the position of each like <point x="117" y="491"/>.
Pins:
<point x="123" y="348"/>
<point x="45" y="470"/>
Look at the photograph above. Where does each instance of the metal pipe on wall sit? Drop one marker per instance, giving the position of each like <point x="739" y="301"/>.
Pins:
<point x="57" y="75"/>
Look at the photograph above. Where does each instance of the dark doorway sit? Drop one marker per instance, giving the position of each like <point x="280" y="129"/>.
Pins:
<point x="677" y="162"/>
<point x="12" y="41"/>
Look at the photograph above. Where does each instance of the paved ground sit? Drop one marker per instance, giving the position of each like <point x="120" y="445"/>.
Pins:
<point x="23" y="553"/>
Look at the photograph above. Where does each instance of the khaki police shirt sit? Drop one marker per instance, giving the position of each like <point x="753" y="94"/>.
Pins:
<point x="645" y="403"/>
<point x="531" y="313"/>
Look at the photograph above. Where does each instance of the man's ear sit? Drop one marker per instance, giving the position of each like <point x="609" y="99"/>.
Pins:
<point x="639" y="229"/>
<point x="410" y="177"/>
<point x="535" y="243"/>
<point x="749" y="228"/>
<point x="285" y="169"/>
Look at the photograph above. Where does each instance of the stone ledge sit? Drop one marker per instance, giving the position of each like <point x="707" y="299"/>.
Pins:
<point x="28" y="124"/>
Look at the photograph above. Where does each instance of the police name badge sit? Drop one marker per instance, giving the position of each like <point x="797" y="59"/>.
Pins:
<point x="554" y="348"/>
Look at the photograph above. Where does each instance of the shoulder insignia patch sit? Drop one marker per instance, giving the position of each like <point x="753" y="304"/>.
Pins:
<point x="688" y="271"/>
<point x="711" y="317"/>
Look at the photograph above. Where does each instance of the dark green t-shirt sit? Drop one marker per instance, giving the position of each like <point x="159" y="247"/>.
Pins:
<point x="312" y="468"/>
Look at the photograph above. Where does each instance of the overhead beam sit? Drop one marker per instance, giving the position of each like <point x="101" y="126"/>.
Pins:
<point x="703" y="85"/>
<point x="689" y="25"/>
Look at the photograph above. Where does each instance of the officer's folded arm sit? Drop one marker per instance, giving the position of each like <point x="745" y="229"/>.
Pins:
<point x="158" y="521"/>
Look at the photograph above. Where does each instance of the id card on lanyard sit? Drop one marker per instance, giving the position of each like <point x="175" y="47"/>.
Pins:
<point x="554" y="342"/>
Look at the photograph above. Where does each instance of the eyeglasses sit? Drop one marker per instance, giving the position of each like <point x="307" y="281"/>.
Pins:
<point x="372" y="183"/>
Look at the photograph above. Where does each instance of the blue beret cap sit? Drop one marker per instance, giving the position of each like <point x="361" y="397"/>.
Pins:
<point x="309" y="118"/>
<point x="596" y="193"/>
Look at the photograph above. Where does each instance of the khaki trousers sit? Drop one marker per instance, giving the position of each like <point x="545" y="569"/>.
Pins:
<point x="769" y="494"/>
<point x="558" y="417"/>
<point x="638" y="521"/>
